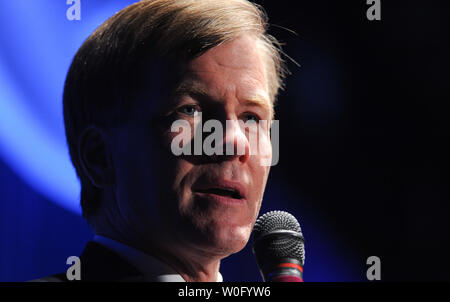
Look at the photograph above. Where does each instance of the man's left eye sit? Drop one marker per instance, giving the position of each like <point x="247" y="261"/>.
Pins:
<point x="251" y="118"/>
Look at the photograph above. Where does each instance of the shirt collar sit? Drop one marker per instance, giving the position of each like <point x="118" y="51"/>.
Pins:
<point x="152" y="268"/>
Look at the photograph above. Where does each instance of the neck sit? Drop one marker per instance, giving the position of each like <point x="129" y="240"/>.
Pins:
<point x="194" y="265"/>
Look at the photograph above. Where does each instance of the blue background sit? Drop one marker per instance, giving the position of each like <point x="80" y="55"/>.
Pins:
<point x="364" y="165"/>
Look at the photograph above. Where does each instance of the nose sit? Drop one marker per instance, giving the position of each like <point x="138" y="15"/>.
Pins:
<point x="235" y="143"/>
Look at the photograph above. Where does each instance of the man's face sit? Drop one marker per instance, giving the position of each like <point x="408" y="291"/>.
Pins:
<point x="196" y="202"/>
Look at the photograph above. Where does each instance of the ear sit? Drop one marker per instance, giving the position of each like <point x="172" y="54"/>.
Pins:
<point x="95" y="157"/>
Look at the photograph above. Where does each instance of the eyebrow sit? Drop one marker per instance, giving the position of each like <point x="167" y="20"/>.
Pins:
<point x="256" y="99"/>
<point x="191" y="88"/>
<point x="260" y="99"/>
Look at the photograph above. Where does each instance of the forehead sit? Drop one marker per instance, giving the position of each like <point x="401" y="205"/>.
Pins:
<point x="231" y="70"/>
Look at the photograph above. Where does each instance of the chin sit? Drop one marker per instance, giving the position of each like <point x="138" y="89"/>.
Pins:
<point x="231" y="239"/>
<point x="222" y="231"/>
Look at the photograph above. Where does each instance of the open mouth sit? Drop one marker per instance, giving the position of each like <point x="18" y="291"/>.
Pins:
<point x="231" y="193"/>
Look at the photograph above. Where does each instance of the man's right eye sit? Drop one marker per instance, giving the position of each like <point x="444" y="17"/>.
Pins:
<point x="190" y="110"/>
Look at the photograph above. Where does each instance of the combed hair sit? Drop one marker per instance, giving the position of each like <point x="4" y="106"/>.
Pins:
<point x="108" y="69"/>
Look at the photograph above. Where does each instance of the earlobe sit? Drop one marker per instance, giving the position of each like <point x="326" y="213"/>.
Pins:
<point x="95" y="157"/>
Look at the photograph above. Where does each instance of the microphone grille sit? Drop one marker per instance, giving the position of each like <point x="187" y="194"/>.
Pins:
<point x="273" y="248"/>
<point x="274" y="221"/>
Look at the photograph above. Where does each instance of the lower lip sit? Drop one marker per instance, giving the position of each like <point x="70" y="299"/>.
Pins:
<point x="220" y="199"/>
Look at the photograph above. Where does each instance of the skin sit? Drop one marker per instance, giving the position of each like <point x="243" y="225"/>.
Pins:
<point x="150" y="197"/>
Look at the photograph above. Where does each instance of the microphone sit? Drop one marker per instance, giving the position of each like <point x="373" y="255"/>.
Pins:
<point x="279" y="247"/>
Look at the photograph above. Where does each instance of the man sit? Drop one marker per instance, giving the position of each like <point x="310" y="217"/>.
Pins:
<point x="158" y="216"/>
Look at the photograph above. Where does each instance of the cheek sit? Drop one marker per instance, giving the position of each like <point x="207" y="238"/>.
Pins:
<point x="135" y="186"/>
<point x="139" y="164"/>
<point x="264" y="150"/>
<point x="260" y="180"/>
<point x="261" y="162"/>
<point x="179" y="134"/>
<point x="183" y="178"/>
<point x="260" y="168"/>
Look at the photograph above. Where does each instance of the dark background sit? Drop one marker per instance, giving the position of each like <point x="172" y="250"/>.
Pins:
<point x="369" y="118"/>
<point x="364" y="151"/>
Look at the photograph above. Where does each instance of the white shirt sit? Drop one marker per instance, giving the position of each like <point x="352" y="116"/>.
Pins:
<point x="152" y="268"/>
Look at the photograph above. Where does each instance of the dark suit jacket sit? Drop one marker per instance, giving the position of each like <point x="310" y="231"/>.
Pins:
<point x="100" y="264"/>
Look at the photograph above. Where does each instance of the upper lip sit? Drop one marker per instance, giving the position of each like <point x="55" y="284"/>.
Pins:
<point x="222" y="187"/>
